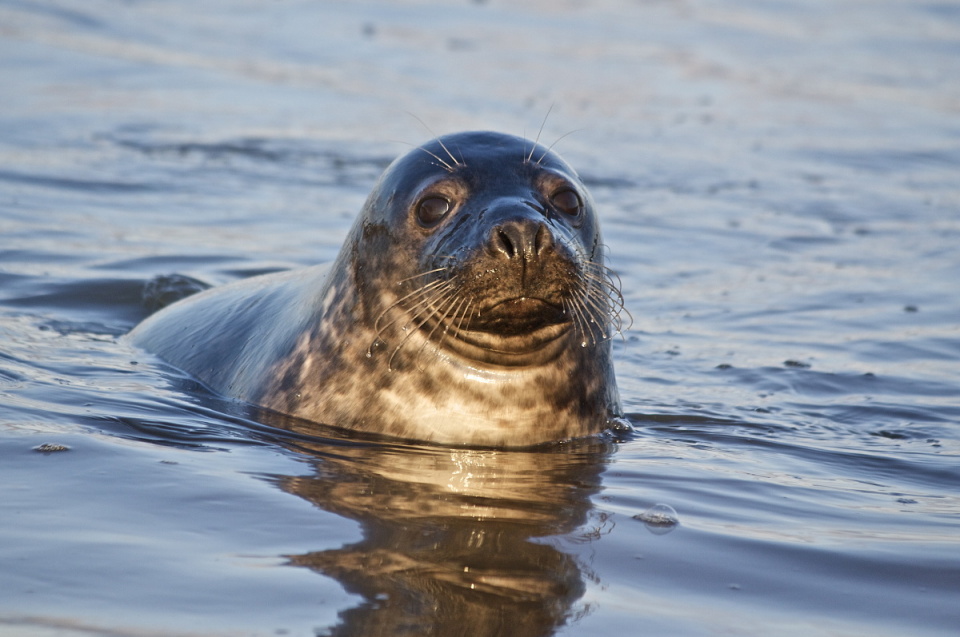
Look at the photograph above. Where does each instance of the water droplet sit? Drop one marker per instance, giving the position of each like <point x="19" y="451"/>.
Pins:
<point x="659" y="519"/>
<point x="583" y="343"/>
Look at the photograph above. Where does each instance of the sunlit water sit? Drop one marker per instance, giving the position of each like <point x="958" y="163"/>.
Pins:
<point x="779" y="185"/>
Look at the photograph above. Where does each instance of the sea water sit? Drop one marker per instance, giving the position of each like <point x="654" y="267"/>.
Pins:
<point x="779" y="188"/>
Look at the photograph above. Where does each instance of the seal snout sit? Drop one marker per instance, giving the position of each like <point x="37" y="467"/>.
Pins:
<point x="520" y="238"/>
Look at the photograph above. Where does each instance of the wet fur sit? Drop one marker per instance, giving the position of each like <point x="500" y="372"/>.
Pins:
<point x="490" y="328"/>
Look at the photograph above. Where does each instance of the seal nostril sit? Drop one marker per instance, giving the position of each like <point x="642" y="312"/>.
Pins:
<point x="503" y="243"/>
<point x="522" y="238"/>
<point x="543" y="240"/>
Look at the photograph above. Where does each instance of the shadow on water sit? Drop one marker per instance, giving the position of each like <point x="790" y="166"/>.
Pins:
<point x="454" y="540"/>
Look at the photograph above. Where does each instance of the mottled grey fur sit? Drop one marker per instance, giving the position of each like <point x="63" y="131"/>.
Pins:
<point x="488" y="327"/>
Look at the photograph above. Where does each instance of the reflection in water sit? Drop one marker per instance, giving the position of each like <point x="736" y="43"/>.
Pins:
<point x="450" y="535"/>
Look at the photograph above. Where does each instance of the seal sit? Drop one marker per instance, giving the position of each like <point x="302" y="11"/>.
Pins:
<point x="469" y="305"/>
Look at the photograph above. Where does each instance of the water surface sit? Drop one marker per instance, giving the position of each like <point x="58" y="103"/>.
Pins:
<point x="778" y="185"/>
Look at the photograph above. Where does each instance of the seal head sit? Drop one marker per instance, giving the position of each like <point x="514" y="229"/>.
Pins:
<point x="470" y="304"/>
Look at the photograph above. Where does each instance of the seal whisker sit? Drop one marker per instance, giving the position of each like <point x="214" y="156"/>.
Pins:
<point x="442" y="164"/>
<point x="424" y="305"/>
<point x="427" y="289"/>
<point x="453" y="297"/>
<point x="426" y="301"/>
<point x="461" y="161"/>
<point x="602" y="305"/>
<point x="608" y="280"/>
<point x="463" y="316"/>
<point x="416" y="276"/>
<point x="615" y="283"/>
<point x="568" y="309"/>
<point x="536" y="141"/>
<point x="575" y="311"/>
<point x="597" y="300"/>
<point x="449" y="154"/>
<point x="453" y="316"/>
<point x="439" y="140"/>
<point x="597" y="311"/>
<point x="610" y="285"/>
<point x="421" y="306"/>
<point x="550" y="147"/>
<point x="603" y="289"/>
<point x="398" y="303"/>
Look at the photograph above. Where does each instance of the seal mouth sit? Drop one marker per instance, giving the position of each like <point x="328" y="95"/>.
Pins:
<point x="498" y="348"/>
<point x="514" y="331"/>
<point x="518" y="316"/>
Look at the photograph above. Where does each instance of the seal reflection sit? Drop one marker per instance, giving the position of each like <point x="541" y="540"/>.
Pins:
<point x="454" y="540"/>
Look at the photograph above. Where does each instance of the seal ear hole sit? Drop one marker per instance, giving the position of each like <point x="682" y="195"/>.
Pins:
<point x="567" y="201"/>
<point x="432" y="209"/>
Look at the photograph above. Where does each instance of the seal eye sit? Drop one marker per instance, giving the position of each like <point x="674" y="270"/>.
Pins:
<point x="432" y="209"/>
<point x="568" y="202"/>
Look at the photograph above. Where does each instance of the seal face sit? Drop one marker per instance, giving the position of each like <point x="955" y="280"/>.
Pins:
<point x="469" y="304"/>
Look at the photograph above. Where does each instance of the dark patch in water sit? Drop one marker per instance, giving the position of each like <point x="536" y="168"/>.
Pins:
<point x="166" y="289"/>
<point x="115" y="300"/>
<point x="77" y="184"/>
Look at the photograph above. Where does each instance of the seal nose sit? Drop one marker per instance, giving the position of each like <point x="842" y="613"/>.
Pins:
<point x="520" y="238"/>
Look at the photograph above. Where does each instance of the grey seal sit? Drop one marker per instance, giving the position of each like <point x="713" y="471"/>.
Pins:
<point x="469" y="305"/>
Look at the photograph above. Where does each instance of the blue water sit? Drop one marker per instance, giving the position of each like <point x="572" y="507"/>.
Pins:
<point x="779" y="186"/>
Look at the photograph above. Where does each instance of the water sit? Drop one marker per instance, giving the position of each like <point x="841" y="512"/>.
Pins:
<point x="778" y="184"/>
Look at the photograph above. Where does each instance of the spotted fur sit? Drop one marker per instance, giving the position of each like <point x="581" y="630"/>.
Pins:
<point x="470" y="304"/>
